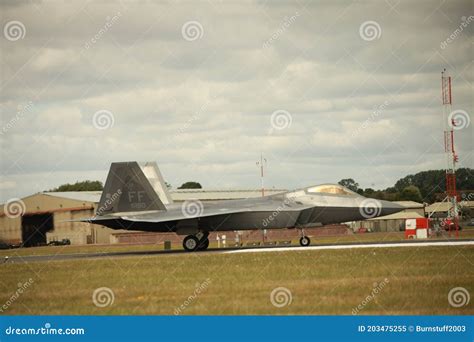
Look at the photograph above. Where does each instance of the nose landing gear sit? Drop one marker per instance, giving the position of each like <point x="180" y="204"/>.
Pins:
<point x="304" y="240"/>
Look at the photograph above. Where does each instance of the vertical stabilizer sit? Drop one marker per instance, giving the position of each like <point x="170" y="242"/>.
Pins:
<point x="127" y="189"/>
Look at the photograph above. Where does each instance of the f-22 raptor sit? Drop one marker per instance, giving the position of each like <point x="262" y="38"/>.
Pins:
<point x="135" y="197"/>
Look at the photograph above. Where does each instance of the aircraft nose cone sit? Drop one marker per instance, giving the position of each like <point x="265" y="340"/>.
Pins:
<point x="390" y="208"/>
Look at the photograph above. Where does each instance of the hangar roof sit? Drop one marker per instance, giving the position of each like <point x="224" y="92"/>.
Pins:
<point x="177" y="195"/>
<point x="88" y="196"/>
<point x="443" y="206"/>
<point x="44" y="202"/>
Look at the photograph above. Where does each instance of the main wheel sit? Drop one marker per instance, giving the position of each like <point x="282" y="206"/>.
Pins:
<point x="305" y="241"/>
<point x="203" y="244"/>
<point x="190" y="243"/>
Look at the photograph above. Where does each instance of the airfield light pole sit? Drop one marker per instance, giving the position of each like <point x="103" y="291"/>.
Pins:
<point x="262" y="164"/>
<point x="452" y="220"/>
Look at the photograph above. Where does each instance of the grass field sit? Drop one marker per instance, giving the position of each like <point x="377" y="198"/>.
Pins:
<point x="415" y="281"/>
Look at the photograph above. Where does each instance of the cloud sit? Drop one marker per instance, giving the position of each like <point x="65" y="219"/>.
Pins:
<point x="202" y="108"/>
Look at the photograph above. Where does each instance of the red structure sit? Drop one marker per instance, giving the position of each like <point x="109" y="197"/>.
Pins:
<point x="417" y="228"/>
<point x="452" y="220"/>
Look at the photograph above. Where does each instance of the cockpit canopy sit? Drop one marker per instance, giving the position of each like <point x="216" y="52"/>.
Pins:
<point x="334" y="189"/>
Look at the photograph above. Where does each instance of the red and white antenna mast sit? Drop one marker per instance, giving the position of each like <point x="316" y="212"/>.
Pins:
<point x="452" y="220"/>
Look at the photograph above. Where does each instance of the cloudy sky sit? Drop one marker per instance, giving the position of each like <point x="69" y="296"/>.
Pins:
<point x="325" y="90"/>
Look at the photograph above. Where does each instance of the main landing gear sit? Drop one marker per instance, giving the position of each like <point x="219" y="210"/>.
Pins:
<point x="304" y="240"/>
<point x="198" y="242"/>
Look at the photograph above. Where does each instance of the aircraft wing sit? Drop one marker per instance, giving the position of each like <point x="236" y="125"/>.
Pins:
<point x="178" y="214"/>
<point x="197" y="209"/>
<point x="162" y="216"/>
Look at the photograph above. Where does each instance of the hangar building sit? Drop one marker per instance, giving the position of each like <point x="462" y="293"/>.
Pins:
<point x="440" y="209"/>
<point x="393" y="222"/>
<point x="46" y="215"/>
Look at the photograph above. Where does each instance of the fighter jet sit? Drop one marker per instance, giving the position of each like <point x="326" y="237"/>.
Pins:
<point x="136" y="198"/>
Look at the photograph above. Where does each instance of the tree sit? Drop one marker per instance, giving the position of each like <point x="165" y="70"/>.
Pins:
<point x="391" y="190"/>
<point x="190" y="185"/>
<point x="423" y="186"/>
<point x="369" y="191"/>
<point x="87" y="185"/>
<point x="411" y="193"/>
<point x="349" y="183"/>
<point x="434" y="181"/>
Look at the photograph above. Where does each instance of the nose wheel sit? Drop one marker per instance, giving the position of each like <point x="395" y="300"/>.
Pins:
<point x="198" y="242"/>
<point x="305" y="241"/>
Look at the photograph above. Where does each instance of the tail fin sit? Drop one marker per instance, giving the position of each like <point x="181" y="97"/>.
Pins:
<point x="132" y="187"/>
<point x="153" y="174"/>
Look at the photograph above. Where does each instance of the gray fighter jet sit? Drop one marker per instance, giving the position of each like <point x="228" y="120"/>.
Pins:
<point x="135" y="197"/>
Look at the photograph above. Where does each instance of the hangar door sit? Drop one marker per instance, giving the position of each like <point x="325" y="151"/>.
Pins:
<point x="34" y="228"/>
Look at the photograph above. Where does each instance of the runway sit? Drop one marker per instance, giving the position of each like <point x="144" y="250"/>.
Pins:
<point x="336" y="246"/>
<point x="366" y="245"/>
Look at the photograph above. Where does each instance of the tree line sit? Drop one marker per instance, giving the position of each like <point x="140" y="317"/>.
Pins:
<point x="89" y="185"/>
<point x="426" y="186"/>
